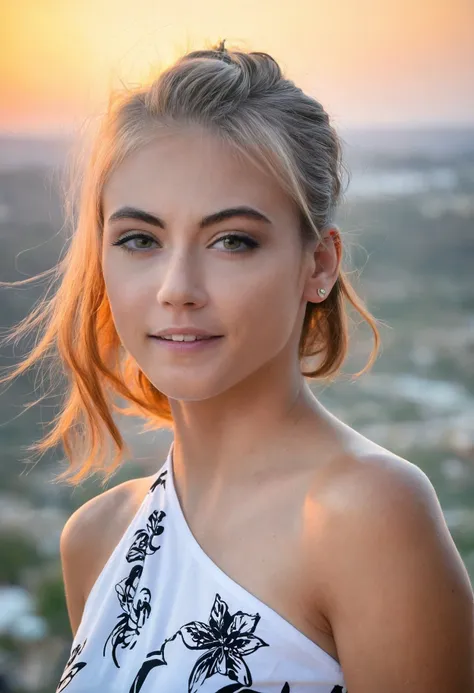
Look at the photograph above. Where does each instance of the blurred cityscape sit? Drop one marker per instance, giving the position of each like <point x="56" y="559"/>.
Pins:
<point x="408" y="220"/>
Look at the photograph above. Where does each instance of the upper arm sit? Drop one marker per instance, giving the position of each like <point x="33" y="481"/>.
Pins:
<point x="87" y="540"/>
<point x="399" y="599"/>
<point x="73" y="549"/>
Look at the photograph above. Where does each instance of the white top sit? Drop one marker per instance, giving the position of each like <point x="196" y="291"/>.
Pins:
<point x="163" y="618"/>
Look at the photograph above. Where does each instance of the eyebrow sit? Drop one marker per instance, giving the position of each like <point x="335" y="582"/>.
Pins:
<point x="209" y="220"/>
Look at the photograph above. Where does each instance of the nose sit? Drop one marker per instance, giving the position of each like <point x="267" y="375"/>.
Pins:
<point x="180" y="283"/>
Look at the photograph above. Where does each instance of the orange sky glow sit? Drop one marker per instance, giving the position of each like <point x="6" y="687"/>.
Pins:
<point x="396" y="62"/>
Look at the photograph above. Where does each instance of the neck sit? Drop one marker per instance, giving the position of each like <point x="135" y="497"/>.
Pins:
<point x="247" y="431"/>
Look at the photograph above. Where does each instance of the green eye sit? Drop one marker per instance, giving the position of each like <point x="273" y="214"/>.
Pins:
<point x="233" y="238"/>
<point x="140" y="237"/>
<point x="231" y="241"/>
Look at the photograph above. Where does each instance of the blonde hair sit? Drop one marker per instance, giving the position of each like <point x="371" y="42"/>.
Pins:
<point x="244" y="98"/>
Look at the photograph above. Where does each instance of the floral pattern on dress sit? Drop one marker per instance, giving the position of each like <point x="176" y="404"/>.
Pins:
<point x="237" y="688"/>
<point x="135" y="602"/>
<point x="160" y="481"/>
<point x="71" y="669"/>
<point x="226" y="640"/>
<point x="223" y="643"/>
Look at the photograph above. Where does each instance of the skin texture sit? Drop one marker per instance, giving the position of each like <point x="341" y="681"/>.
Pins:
<point x="341" y="537"/>
<point x="193" y="280"/>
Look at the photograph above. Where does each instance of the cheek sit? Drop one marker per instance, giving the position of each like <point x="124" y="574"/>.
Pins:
<point x="127" y="300"/>
<point x="263" y="306"/>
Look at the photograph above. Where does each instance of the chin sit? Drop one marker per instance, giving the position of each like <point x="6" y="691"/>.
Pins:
<point x="189" y="389"/>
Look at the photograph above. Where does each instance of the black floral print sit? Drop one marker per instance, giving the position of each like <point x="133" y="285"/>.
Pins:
<point x="222" y="644"/>
<point x="160" y="481"/>
<point x="236" y="687"/>
<point x="225" y="639"/>
<point x="145" y="540"/>
<point x="154" y="659"/>
<point x="71" y="669"/>
<point x="135" y="603"/>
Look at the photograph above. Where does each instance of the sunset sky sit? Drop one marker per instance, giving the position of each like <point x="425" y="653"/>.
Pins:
<point x="369" y="62"/>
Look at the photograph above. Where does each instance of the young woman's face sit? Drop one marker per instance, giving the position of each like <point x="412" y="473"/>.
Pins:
<point x="171" y="263"/>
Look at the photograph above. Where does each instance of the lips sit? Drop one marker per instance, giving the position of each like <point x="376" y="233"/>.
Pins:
<point x="192" y="338"/>
<point x="185" y="341"/>
<point x="184" y="332"/>
<point x="186" y="346"/>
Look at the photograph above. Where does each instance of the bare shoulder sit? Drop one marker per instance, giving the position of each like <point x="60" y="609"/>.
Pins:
<point x="396" y="592"/>
<point x="90" y="527"/>
<point x="379" y="502"/>
<point x="378" y="482"/>
<point x="89" y="537"/>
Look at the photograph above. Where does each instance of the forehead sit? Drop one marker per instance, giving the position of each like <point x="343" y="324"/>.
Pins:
<point x="191" y="171"/>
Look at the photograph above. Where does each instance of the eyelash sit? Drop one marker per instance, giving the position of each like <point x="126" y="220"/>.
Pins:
<point x="250" y="242"/>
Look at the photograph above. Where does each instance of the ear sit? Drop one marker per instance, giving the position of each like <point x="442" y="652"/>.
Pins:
<point x="324" y="265"/>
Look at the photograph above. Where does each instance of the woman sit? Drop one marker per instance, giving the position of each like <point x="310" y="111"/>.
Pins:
<point x="276" y="549"/>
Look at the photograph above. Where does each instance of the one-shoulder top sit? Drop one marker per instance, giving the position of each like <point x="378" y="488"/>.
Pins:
<point x="162" y="617"/>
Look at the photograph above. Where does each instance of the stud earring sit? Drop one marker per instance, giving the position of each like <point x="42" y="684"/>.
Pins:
<point x="322" y="292"/>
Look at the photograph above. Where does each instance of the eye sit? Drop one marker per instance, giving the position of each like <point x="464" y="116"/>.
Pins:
<point x="232" y="240"/>
<point x="141" y="237"/>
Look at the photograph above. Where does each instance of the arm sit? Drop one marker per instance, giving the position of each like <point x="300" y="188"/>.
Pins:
<point x="73" y="548"/>
<point x="87" y="540"/>
<point x="398" y="596"/>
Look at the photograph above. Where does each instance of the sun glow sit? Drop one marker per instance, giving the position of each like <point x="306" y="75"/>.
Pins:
<point x="366" y="61"/>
